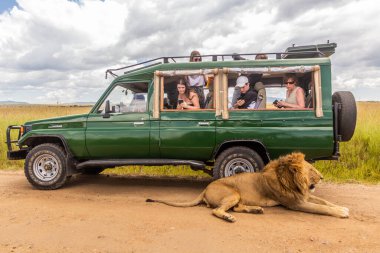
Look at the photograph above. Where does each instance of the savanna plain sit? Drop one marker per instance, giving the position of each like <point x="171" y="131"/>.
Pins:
<point x="358" y="163"/>
<point x="108" y="212"/>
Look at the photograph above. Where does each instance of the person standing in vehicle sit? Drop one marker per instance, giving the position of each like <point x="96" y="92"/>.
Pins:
<point x="295" y="95"/>
<point x="187" y="99"/>
<point x="247" y="95"/>
<point x="197" y="82"/>
<point x="261" y="57"/>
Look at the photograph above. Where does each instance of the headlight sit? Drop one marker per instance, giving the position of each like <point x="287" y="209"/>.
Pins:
<point x="25" y="129"/>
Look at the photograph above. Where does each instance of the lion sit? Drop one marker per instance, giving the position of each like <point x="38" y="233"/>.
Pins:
<point x="287" y="181"/>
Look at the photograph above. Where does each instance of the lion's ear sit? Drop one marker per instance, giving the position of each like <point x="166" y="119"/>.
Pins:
<point x="297" y="157"/>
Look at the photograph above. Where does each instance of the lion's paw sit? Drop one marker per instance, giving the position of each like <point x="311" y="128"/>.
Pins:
<point x="259" y="210"/>
<point x="344" y="212"/>
<point x="229" y="217"/>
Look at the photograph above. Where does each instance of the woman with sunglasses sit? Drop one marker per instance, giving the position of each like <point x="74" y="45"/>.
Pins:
<point x="197" y="82"/>
<point x="295" y="96"/>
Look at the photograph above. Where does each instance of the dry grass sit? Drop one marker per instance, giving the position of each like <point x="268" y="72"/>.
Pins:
<point x="17" y="115"/>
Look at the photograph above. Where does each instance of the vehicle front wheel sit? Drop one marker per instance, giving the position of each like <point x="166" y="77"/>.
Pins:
<point x="236" y="160"/>
<point x="45" y="167"/>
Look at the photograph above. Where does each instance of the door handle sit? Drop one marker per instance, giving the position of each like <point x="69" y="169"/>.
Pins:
<point x="138" y="123"/>
<point x="203" y="123"/>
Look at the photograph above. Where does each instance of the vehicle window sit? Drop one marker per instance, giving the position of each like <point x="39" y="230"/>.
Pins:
<point x="125" y="98"/>
<point x="264" y="91"/>
<point x="197" y="97"/>
<point x="246" y="91"/>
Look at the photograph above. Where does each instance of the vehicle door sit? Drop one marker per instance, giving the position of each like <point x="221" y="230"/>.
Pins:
<point x="188" y="133"/>
<point x="120" y="126"/>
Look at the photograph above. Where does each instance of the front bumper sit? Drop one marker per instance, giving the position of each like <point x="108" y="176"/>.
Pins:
<point x="17" y="154"/>
<point x="14" y="154"/>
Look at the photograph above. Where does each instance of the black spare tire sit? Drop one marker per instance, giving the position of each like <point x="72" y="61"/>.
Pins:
<point x="346" y="114"/>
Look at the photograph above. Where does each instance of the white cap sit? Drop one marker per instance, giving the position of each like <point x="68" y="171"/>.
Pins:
<point x="241" y="81"/>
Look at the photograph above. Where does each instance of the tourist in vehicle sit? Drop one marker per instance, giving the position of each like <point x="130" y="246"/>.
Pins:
<point x="253" y="79"/>
<point x="237" y="57"/>
<point x="261" y="57"/>
<point x="187" y="98"/>
<point x="310" y="95"/>
<point x="235" y="95"/>
<point x="247" y="95"/>
<point x="261" y="96"/>
<point x="295" y="95"/>
<point x="197" y="82"/>
<point x="209" y="102"/>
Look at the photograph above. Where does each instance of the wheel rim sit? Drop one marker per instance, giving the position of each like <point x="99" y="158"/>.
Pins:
<point x="46" y="167"/>
<point x="238" y="165"/>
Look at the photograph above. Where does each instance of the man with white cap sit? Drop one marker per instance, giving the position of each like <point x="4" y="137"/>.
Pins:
<point x="247" y="96"/>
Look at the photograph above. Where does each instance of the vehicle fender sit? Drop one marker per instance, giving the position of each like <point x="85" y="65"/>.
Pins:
<point x="35" y="140"/>
<point x="254" y="144"/>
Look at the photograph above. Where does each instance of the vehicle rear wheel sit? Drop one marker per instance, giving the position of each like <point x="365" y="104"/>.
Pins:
<point x="45" y="167"/>
<point x="92" y="171"/>
<point x="346" y="114"/>
<point x="236" y="160"/>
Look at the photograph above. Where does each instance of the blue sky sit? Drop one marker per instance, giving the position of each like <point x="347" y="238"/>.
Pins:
<point x="6" y="5"/>
<point x="58" y="50"/>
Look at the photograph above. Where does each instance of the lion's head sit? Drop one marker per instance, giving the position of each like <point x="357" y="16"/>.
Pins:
<point x="296" y="176"/>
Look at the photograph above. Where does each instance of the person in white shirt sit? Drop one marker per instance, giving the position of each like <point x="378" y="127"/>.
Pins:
<point x="197" y="82"/>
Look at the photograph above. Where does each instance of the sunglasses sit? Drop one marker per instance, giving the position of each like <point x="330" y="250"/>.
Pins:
<point x="289" y="82"/>
<point x="197" y="59"/>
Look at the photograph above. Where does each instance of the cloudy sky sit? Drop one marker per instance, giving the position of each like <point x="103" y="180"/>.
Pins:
<point x="58" y="50"/>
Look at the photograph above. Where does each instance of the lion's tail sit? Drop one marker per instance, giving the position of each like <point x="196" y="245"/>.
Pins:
<point x="194" y="202"/>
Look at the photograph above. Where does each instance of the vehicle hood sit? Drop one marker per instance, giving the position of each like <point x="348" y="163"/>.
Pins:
<point x="64" y="121"/>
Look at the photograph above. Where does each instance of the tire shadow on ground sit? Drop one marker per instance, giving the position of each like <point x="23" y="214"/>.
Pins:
<point x="113" y="180"/>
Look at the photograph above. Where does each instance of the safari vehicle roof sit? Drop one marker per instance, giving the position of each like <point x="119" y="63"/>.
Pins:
<point x="293" y="56"/>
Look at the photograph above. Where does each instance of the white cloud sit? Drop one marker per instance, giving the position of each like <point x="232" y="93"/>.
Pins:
<point x="60" y="49"/>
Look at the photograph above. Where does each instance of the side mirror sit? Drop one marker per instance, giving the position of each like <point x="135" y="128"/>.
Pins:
<point x="107" y="110"/>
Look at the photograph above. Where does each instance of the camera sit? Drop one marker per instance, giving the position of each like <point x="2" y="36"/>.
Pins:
<point x="276" y="104"/>
<point x="180" y="101"/>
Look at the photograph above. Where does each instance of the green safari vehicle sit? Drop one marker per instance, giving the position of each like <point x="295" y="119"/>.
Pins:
<point x="137" y="120"/>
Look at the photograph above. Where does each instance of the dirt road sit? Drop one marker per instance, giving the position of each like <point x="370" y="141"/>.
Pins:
<point x="109" y="214"/>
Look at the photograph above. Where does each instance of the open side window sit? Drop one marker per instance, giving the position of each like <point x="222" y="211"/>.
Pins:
<point x="166" y="91"/>
<point x="267" y="86"/>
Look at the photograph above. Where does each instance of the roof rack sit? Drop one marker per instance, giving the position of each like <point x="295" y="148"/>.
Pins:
<point x="294" y="52"/>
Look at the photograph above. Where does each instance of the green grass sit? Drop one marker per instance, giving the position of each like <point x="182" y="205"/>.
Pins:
<point x="177" y="171"/>
<point x="358" y="163"/>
